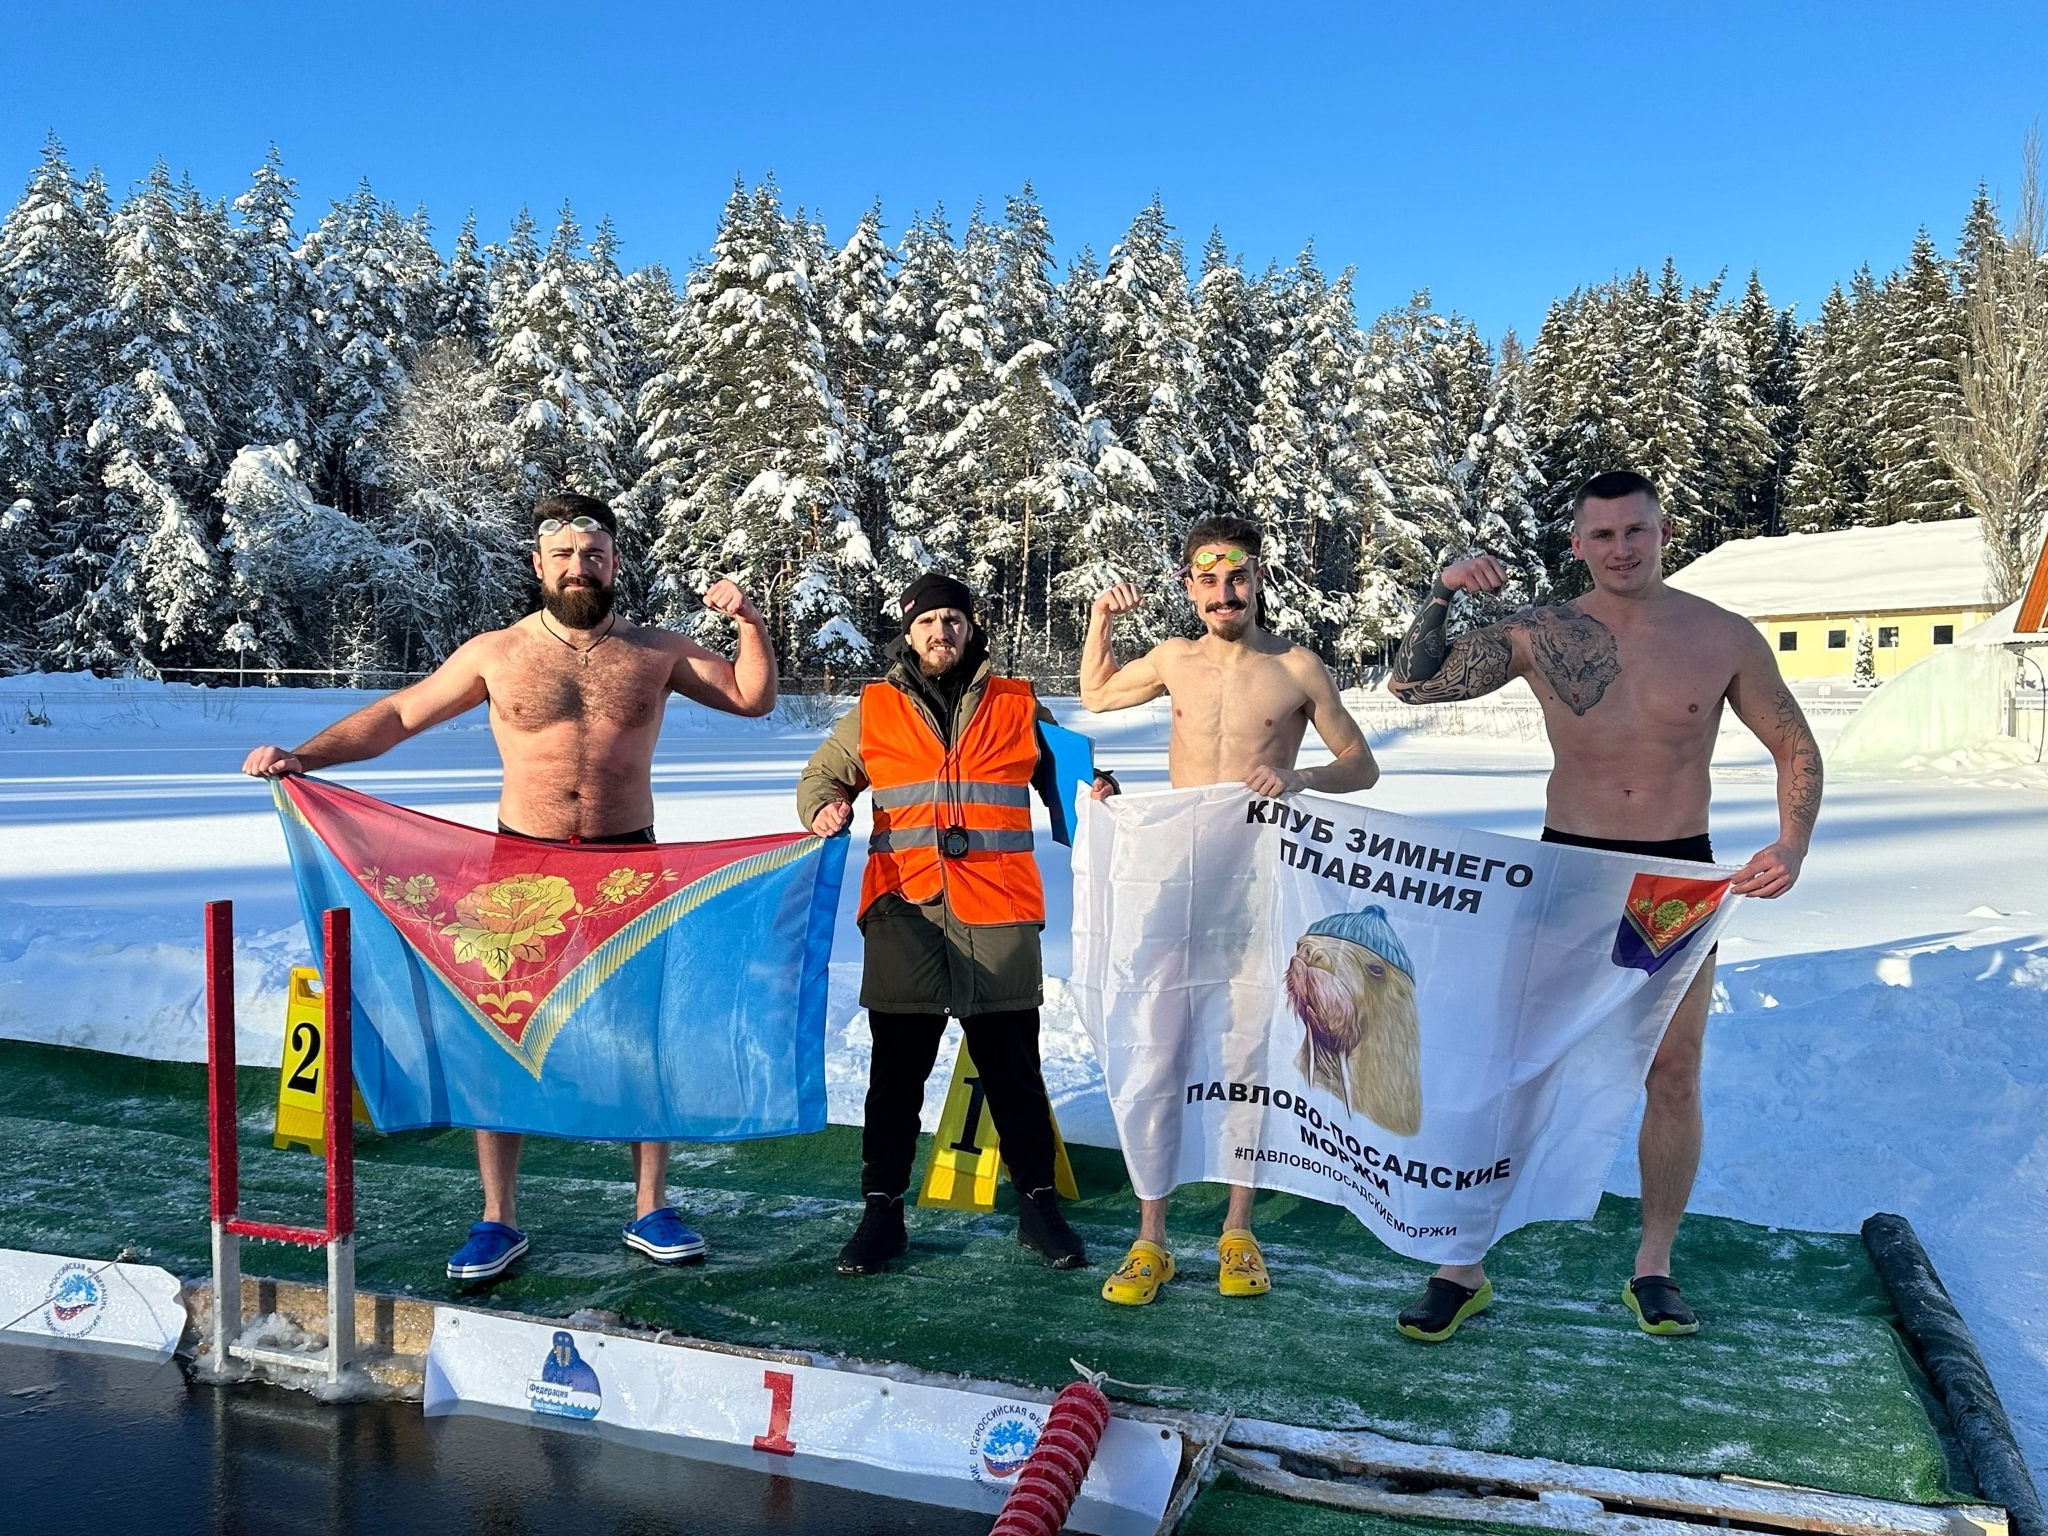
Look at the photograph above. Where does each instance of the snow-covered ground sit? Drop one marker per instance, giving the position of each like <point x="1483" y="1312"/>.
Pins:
<point x="1878" y="1043"/>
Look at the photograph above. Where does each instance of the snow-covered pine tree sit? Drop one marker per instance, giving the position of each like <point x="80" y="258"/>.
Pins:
<point x="456" y="514"/>
<point x="299" y="574"/>
<point x="464" y="311"/>
<point x="1132" y="365"/>
<point x="1421" y="403"/>
<point x="646" y="313"/>
<point x="941" y="378"/>
<point x="1500" y="483"/>
<point x="555" y="371"/>
<point x="158" y="596"/>
<point x="1738" y="452"/>
<point x="1576" y="401"/>
<point x="1665" y="426"/>
<point x="744" y="425"/>
<point x="273" y="343"/>
<point x="1305" y="459"/>
<point x="53" y="297"/>
<point x="1831" y="472"/>
<point x="368" y="284"/>
<point x="1037" y="481"/>
<point x="1234" y="351"/>
<point x="1145" y="375"/>
<point x="1767" y="339"/>
<point x="1021" y="301"/>
<point x="1077" y="313"/>
<point x="1916" y="385"/>
<point x="853" y="298"/>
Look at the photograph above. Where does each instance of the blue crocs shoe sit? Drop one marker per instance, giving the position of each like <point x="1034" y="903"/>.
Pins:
<point x="662" y="1236"/>
<point x="491" y="1250"/>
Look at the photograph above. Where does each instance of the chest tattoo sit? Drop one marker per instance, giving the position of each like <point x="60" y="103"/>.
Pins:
<point x="1575" y="653"/>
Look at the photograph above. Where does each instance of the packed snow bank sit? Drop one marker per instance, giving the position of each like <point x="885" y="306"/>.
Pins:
<point x="1953" y="700"/>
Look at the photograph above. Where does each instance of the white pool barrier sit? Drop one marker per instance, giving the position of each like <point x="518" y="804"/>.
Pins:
<point x="98" y="1306"/>
<point x="901" y="1439"/>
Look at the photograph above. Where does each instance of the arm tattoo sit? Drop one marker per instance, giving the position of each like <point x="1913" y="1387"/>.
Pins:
<point x="1575" y="652"/>
<point x="1477" y="662"/>
<point x="1802" y="778"/>
<point x="1422" y="648"/>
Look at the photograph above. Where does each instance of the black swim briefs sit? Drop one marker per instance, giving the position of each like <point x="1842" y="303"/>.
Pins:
<point x="642" y="835"/>
<point x="1698" y="849"/>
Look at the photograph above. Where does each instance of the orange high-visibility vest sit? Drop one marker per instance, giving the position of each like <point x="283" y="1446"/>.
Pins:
<point x="982" y="787"/>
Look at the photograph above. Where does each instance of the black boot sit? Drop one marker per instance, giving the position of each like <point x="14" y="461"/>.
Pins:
<point x="878" y="1239"/>
<point x="1042" y="1228"/>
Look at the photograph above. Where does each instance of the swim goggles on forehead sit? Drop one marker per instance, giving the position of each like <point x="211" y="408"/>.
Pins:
<point x="551" y="525"/>
<point x="1209" y="559"/>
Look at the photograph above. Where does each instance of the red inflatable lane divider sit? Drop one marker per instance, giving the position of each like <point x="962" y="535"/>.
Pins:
<point x="1051" y="1480"/>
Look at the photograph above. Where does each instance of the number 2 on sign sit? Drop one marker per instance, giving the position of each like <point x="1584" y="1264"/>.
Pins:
<point x="305" y="1077"/>
<point x="781" y="1387"/>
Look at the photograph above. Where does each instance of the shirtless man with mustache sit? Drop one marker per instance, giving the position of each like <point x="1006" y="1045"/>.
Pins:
<point x="1242" y="700"/>
<point x="576" y="696"/>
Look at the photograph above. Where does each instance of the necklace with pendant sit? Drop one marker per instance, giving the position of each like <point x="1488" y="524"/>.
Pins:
<point x="582" y="651"/>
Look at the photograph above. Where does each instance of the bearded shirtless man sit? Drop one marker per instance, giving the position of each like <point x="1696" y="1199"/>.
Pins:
<point x="576" y="696"/>
<point x="1242" y="697"/>
<point x="1632" y="678"/>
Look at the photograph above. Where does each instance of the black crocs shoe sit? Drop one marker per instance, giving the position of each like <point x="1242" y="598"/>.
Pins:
<point x="878" y="1239"/>
<point x="1041" y="1228"/>
<point x="1443" y="1306"/>
<point x="1659" y="1306"/>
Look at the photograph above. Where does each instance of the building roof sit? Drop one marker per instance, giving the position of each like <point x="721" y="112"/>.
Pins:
<point x="2032" y="617"/>
<point x="1901" y="567"/>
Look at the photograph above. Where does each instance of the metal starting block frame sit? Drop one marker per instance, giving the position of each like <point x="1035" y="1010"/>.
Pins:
<point x="229" y="1225"/>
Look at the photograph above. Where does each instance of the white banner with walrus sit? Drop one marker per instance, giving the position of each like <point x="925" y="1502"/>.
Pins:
<point x="1444" y="1031"/>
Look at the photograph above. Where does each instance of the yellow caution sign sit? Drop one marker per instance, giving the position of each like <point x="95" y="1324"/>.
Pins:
<point x="966" y="1153"/>
<point x="301" y="1114"/>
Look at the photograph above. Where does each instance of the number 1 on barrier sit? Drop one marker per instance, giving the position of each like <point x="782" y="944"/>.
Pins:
<point x="781" y="1387"/>
<point x="301" y="1116"/>
<point x="967" y="1156"/>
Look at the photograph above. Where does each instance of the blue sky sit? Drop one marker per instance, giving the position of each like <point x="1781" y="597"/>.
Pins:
<point x="1497" y="154"/>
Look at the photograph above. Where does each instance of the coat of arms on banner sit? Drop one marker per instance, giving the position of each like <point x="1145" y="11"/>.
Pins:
<point x="1353" y="986"/>
<point x="1660" y="917"/>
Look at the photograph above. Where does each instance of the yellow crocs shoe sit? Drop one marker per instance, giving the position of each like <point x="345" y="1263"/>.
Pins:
<point x="1137" y="1280"/>
<point x="1243" y="1272"/>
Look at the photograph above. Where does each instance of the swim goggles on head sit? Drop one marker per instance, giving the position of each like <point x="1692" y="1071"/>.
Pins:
<point x="553" y="525"/>
<point x="1209" y="559"/>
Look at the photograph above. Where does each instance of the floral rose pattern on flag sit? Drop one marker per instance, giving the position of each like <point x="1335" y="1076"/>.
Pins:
<point x="503" y="921"/>
<point x="517" y="927"/>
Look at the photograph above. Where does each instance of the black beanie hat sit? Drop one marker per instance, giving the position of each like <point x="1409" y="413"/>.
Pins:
<point x="930" y="591"/>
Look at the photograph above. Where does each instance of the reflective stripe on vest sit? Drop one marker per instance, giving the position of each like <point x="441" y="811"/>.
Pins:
<point x="981" y="787"/>
<point x="940" y="791"/>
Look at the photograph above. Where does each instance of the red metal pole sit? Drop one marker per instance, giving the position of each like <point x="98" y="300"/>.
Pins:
<point x="220" y="1056"/>
<point x="341" y="1078"/>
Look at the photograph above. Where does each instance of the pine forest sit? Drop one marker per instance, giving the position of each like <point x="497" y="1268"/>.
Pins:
<point x="233" y="439"/>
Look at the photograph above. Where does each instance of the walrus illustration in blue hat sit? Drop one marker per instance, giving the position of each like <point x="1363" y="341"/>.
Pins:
<point x="1352" y="983"/>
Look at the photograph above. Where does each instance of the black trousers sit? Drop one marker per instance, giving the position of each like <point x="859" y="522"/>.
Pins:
<point x="1005" y="1050"/>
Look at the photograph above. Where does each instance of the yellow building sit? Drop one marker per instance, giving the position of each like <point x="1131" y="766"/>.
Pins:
<point x="1909" y="587"/>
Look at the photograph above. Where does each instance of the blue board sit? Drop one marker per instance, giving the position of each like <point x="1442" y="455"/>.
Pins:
<point x="1073" y="766"/>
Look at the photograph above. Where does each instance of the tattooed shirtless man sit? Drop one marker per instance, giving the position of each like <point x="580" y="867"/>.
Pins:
<point x="1632" y="678"/>
<point x="1242" y="700"/>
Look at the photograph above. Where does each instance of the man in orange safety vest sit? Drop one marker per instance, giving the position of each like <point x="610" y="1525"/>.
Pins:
<point x="950" y="904"/>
